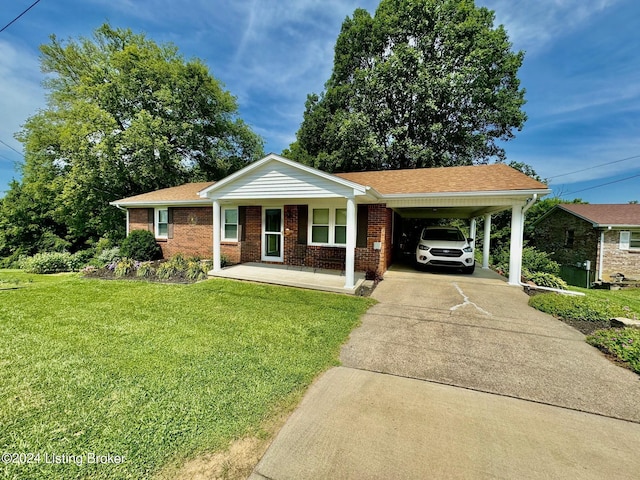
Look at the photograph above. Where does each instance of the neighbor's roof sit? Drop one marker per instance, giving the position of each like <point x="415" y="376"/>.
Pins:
<point x="476" y="178"/>
<point x="187" y="193"/>
<point x="605" y="214"/>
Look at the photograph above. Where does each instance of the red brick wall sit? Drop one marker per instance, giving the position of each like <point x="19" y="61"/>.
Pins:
<point x="379" y="230"/>
<point x="251" y="246"/>
<point x="193" y="235"/>
<point x="192" y="230"/>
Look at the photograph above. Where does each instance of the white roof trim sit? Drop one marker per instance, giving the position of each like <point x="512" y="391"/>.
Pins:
<point x="168" y="203"/>
<point x="358" y="189"/>
<point x="491" y="193"/>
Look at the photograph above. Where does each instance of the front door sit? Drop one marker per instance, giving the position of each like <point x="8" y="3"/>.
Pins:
<point x="272" y="234"/>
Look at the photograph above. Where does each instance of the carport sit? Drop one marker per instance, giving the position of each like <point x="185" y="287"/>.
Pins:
<point x="469" y="193"/>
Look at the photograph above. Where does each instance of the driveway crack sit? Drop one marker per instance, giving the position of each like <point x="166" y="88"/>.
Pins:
<point x="466" y="301"/>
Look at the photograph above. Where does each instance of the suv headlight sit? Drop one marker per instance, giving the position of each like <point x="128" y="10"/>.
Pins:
<point x="467" y="249"/>
<point x="423" y="247"/>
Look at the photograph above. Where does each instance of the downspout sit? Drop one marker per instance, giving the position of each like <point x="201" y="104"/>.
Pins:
<point x="601" y="254"/>
<point x="530" y="203"/>
<point x="126" y="211"/>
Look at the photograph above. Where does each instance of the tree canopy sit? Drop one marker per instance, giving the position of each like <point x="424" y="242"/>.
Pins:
<point x="124" y="116"/>
<point x="422" y="83"/>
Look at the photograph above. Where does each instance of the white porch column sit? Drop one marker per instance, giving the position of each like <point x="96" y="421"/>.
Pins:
<point x="515" y="253"/>
<point x="472" y="229"/>
<point x="486" y="245"/>
<point x="216" y="236"/>
<point x="350" y="254"/>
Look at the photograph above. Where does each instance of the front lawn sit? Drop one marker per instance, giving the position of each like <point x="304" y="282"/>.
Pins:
<point x="152" y="373"/>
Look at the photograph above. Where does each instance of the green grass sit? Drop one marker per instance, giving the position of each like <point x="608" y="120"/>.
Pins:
<point x="156" y="373"/>
<point x="627" y="300"/>
<point x="622" y="343"/>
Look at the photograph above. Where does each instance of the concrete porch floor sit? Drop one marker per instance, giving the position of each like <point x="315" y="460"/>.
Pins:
<point x="291" y="276"/>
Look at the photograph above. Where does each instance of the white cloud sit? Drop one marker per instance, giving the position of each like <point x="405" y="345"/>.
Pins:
<point x="533" y="25"/>
<point x="21" y="94"/>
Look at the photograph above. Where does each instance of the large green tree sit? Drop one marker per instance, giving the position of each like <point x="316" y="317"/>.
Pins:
<point x="124" y="116"/>
<point x="423" y="83"/>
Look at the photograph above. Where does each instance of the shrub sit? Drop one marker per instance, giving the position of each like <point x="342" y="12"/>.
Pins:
<point x="623" y="343"/>
<point x="167" y="270"/>
<point x="543" y="279"/>
<point x="109" y="255"/>
<point x="124" y="267"/>
<point x="145" y="270"/>
<point x="50" y="262"/>
<point x="82" y="258"/>
<point x="537" y="261"/>
<point x="140" y="245"/>
<point x="533" y="261"/>
<point x="196" y="270"/>
<point x="577" y="308"/>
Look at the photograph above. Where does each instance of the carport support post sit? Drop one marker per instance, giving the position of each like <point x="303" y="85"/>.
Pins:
<point x="350" y="254"/>
<point x="515" y="253"/>
<point x="486" y="241"/>
<point x="216" y="236"/>
<point x="472" y="229"/>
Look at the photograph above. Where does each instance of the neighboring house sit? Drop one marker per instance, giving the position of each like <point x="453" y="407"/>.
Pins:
<point x="608" y="236"/>
<point x="279" y="211"/>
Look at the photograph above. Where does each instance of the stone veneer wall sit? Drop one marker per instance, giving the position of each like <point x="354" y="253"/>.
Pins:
<point x="617" y="261"/>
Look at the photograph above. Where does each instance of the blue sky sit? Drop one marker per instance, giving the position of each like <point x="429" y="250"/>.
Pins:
<point x="581" y="72"/>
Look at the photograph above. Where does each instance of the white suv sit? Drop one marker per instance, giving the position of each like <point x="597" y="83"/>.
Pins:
<point x="445" y="247"/>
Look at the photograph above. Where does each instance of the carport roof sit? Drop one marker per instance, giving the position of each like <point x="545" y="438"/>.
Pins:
<point x="475" y="178"/>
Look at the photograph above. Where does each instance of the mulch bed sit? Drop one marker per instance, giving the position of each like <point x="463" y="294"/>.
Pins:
<point x="587" y="327"/>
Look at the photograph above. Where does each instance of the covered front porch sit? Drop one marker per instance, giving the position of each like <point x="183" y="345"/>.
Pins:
<point x="291" y="276"/>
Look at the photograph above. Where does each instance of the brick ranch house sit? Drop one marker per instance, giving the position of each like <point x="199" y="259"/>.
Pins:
<point x="279" y="211"/>
<point x="607" y="235"/>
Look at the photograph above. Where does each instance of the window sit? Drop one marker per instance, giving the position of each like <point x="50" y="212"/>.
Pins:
<point x="230" y="224"/>
<point x="329" y="226"/>
<point x="341" y="226"/>
<point x="162" y="222"/>
<point x="320" y="226"/>
<point x="634" y="240"/>
<point x="569" y="238"/>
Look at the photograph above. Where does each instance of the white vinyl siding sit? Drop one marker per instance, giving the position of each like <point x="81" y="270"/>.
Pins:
<point x="282" y="181"/>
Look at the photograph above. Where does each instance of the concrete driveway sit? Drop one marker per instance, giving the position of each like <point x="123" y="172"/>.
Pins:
<point x="454" y="376"/>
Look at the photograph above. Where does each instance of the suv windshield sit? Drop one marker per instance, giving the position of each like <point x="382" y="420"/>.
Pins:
<point x="443" y="234"/>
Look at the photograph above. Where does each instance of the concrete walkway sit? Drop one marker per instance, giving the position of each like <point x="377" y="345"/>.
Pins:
<point x="291" y="276"/>
<point x="454" y="376"/>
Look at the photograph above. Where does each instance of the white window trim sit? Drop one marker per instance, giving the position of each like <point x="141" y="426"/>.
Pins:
<point x="624" y="240"/>
<point x="634" y="235"/>
<point x="156" y="223"/>
<point x="332" y="226"/>
<point x="223" y="224"/>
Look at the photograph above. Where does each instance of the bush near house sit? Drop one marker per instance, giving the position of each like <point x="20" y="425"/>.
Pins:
<point x="537" y="267"/>
<point x="141" y="245"/>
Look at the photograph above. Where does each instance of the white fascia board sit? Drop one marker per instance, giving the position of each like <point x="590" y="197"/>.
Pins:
<point x="163" y="203"/>
<point x="616" y="226"/>
<point x="358" y="189"/>
<point x="493" y="193"/>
